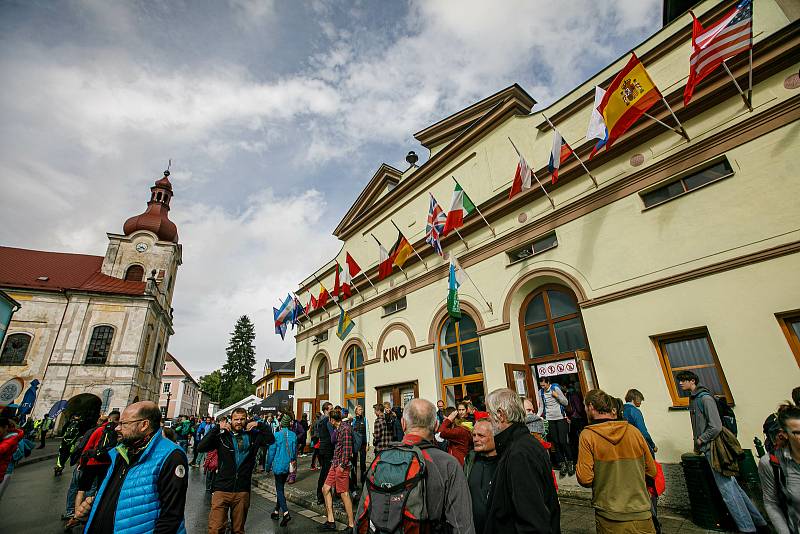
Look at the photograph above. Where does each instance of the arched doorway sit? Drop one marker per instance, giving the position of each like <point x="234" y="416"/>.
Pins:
<point x="460" y="363"/>
<point x="554" y="343"/>
<point x="84" y="406"/>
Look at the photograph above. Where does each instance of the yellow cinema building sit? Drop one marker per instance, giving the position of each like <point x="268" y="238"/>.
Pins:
<point x="686" y="255"/>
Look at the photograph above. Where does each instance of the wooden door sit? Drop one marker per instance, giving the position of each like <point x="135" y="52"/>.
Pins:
<point x="520" y="379"/>
<point x="586" y="372"/>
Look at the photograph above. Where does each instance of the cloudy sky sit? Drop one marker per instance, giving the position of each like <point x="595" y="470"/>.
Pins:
<point x="275" y="114"/>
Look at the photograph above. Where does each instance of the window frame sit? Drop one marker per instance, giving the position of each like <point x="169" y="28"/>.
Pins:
<point x="24" y="355"/>
<point x="784" y="320"/>
<point x="511" y="254"/>
<point x="397" y="308"/>
<point x="167" y="387"/>
<point x="462" y="380"/>
<point x="550" y="322"/>
<point x="133" y="266"/>
<point x="682" y="177"/>
<point x="350" y="354"/>
<point x="666" y="367"/>
<point x="325" y="377"/>
<point x="89" y="345"/>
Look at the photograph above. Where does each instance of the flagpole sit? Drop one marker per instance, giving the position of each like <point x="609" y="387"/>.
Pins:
<point x="301" y="306"/>
<point x="683" y="130"/>
<point x="461" y="238"/>
<point x="488" y="304"/>
<point x="476" y="207"/>
<point x="533" y="173"/>
<point x="574" y="153"/>
<point x="750" y="74"/>
<point x="738" y="87"/>
<point x="412" y="246"/>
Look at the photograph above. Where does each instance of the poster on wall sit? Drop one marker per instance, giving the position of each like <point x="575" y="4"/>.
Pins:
<point x="562" y="367"/>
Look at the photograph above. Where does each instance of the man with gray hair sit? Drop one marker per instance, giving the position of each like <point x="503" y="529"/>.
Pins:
<point x="523" y="496"/>
<point x="446" y="491"/>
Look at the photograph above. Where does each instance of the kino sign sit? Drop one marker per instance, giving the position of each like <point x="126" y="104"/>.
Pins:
<point x="394" y="353"/>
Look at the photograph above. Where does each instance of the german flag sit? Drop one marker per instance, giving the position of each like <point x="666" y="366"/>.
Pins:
<point x="401" y="250"/>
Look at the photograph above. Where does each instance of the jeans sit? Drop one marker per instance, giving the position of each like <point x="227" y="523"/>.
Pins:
<point x="557" y="432"/>
<point x="280" y="482"/>
<point x="72" y="492"/>
<point x="742" y="509"/>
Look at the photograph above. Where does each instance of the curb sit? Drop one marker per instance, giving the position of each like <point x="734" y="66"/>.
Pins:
<point x="301" y="498"/>
<point x="42" y="458"/>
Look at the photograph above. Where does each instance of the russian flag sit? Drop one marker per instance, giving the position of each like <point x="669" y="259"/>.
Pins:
<point x="558" y="154"/>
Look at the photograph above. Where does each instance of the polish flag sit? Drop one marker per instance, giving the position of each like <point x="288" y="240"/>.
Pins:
<point x="522" y="178"/>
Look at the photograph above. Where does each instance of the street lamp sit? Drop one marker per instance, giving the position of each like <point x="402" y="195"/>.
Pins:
<point x="169" y="396"/>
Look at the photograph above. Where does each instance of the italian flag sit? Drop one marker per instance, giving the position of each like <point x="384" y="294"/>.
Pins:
<point x="460" y="207"/>
<point x="342" y="283"/>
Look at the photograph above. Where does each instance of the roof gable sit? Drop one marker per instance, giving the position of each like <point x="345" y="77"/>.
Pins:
<point x="451" y="127"/>
<point x="376" y="187"/>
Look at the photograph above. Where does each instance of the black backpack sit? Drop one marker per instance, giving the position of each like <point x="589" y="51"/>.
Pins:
<point x="395" y="496"/>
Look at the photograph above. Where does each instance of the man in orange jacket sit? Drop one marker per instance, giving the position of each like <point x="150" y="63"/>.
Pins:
<point x="613" y="460"/>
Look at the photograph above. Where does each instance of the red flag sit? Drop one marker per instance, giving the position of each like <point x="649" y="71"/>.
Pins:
<point x="352" y="266"/>
<point x="323" y="296"/>
<point x="522" y="178"/>
<point x="313" y="304"/>
<point x="731" y="35"/>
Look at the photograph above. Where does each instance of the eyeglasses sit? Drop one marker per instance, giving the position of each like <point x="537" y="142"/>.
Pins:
<point x="129" y="422"/>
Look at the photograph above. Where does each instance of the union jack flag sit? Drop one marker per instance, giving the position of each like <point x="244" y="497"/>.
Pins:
<point x="435" y="226"/>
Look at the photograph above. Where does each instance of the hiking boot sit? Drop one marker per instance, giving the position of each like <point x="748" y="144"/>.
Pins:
<point x="286" y="519"/>
<point x="562" y="472"/>
<point x="571" y="468"/>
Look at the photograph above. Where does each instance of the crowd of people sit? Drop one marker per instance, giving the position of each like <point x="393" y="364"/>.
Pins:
<point x="450" y="468"/>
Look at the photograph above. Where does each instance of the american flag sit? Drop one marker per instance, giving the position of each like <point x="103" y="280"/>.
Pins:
<point x="731" y="35"/>
<point x="435" y="225"/>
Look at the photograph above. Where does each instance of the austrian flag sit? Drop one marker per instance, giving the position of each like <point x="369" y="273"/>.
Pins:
<point x="558" y="154"/>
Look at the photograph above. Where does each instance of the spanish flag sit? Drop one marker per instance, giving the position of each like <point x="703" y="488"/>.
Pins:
<point x="401" y="251"/>
<point x="628" y="97"/>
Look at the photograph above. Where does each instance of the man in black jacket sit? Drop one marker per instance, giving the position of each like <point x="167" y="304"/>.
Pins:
<point x="325" y="433"/>
<point x="480" y="467"/>
<point x="523" y="497"/>
<point x="236" y="446"/>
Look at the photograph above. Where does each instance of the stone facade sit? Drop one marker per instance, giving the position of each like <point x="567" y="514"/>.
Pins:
<point x="61" y="318"/>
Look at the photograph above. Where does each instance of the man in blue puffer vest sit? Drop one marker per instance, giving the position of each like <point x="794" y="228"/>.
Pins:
<point x="145" y="488"/>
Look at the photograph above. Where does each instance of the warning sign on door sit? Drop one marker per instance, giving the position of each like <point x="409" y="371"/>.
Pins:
<point x="562" y="367"/>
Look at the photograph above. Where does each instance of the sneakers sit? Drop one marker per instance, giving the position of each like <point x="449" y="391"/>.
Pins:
<point x="275" y="515"/>
<point x="571" y="468"/>
<point x="286" y="519"/>
<point x="327" y="526"/>
<point x="562" y="472"/>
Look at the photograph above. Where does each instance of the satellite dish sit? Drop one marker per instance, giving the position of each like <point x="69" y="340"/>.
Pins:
<point x="106" y="396"/>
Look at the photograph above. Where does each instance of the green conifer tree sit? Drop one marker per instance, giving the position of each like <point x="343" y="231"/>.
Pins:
<point x="239" y="369"/>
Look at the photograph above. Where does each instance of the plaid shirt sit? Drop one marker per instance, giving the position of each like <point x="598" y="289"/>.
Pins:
<point x="382" y="434"/>
<point x="344" y="446"/>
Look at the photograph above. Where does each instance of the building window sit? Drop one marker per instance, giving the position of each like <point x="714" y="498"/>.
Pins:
<point x="460" y="362"/>
<point x="790" y="324"/>
<point x="322" y="379"/>
<point x="319" y="338"/>
<point x="135" y="273"/>
<point x="537" y="246"/>
<point x="395" y="306"/>
<point x="99" y="345"/>
<point x="691" y="351"/>
<point x="15" y="349"/>
<point x="552" y="323"/>
<point x="167" y="387"/>
<point x="712" y="173"/>
<point x="269" y="389"/>
<point x="157" y="358"/>
<point x="353" y="377"/>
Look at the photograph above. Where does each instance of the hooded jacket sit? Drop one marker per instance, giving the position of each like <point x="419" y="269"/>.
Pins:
<point x="522" y="498"/>
<point x="706" y="423"/>
<point x="613" y="460"/>
<point x="235" y="476"/>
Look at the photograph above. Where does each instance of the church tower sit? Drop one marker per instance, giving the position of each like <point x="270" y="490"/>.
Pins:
<point x="148" y="249"/>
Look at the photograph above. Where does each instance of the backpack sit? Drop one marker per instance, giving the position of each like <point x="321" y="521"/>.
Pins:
<point x="395" y="495"/>
<point x="726" y="414"/>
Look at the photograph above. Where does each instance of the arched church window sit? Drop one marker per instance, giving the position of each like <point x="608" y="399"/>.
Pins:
<point x="99" y="345"/>
<point x="135" y="273"/>
<point x="15" y="349"/>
